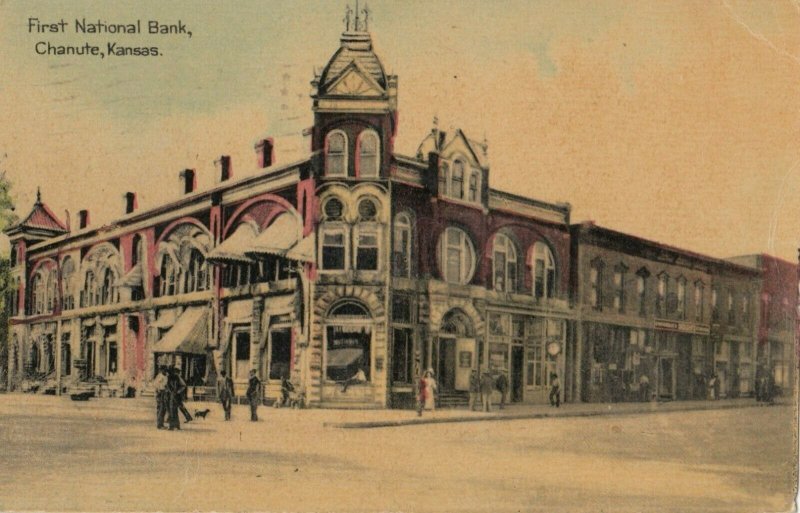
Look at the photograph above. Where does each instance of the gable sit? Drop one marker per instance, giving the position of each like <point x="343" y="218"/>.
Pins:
<point x="353" y="81"/>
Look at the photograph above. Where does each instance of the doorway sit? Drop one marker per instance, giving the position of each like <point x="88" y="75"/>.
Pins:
<point x="666" y="378"/>
<point x="447" y="365"/>
<point x="517" y="355"/>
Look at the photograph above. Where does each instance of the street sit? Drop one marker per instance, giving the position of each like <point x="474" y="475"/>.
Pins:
<point x="107" y="455"/>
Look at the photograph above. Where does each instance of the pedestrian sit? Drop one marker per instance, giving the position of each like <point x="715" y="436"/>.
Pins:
<point x="768" y="394"/>
<point x="502" y="386"/>
<point x="644" y="388"/>
<point x="421" y="391"/>
<point x="253" y="394"/>
<point x="555" y="390"/>
<point x="712" y="386"/>
<point x="474" y="389"/>
<point x="430" y="390"/>
<point x="186" y="415"/>
<point x="487" y="387"/>
<point x="160" y="389"/>
<point x="174" y="392"/>
<point x="286" y="389"/>
<point x="225" y="393"/>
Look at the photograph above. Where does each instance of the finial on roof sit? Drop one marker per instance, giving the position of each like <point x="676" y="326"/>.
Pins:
<point x="485" y="144"/>
<point x="347" y="13"/>
<point x="38" y="196"/>
<point x="357" y="21"/>
<point x="435" y="121"/>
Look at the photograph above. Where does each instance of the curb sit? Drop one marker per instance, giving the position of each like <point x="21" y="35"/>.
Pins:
<point x="524" y="416"/>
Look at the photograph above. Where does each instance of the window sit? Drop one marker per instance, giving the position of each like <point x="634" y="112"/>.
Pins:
<point x="66" y="355"/>
<point x="619" y="288"/>
<point x="349" y="341"/>
<point x="37" y="294"/>
<point x="367" y="210"/>
<point x="336" y="154"/>
<point x="457" y="180"/>
<point x="50" y="291"/>
<point x="108" y="289"/>
<point x="714" y="305"/>
<point x="661" y="299"/>
<point x="731" y="312"/>
<point x="641" y="290"/>
<point x="456" y="256"/>
<point x="444" y="178"/>
<point x="596" y="284"/>
<point x="504" y="260"/>
<point x="136" y="250"/>
<point x="401" y="257"/>
<point x="367" y="249"/>
<point x="112" y="357"/>
<point x="67" y="277"/>
<point x="746" y="309"/>
<point x="401" y="308"/>
<point x="544" y="269"/>
<point x="333" y="209"/>
<point x="169" y="276"/>
<point x="88" y="289"/>
<point x="333" y="249"/>
<point x="699" y="293"/>
<point x="681" y="310"/>
<point x="474" y="185"/>
<point x="402" y="355"/>
<point x="280" y="353"/>
<point x="196" y="275"/>
<point x="368" y="155"/>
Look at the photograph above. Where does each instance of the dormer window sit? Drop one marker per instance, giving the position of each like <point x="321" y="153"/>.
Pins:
<point x="457" y="180"/>
<point x="474" y="180"/>
<point x="336" y="154"/>
<point x="368" y="152"/>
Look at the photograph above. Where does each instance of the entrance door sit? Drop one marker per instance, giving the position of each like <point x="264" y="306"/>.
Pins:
<point x="517" y="355"/>
<point x="89" y="359"/>
<point x="465" y="354"/>
<point x="447" y="364"/>
<point x="665" y="378"/>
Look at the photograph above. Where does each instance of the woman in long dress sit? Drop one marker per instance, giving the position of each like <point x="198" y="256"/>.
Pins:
<point x="430" y="390"/>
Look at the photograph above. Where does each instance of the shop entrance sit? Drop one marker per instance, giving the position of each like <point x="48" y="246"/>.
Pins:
<point x="446" y="375"/>
<point x="455" y="354"/>
<point x="517" y="355"/>
<point x="666" y="378"/>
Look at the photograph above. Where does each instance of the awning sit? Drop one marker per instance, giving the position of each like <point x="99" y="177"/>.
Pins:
<point x="133" y="278"/>
<point x="236" y="245"/>
<point x="303" y="251"/>
<point x="278" y="237"/>
<point x="343" y="357"/>
<point x="189" y="334"/>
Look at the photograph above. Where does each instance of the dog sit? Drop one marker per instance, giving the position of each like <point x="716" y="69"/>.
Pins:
<point x="201" y="414"/>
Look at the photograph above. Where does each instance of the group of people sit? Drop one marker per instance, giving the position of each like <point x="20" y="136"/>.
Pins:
<point x="170" y="389"/>
<point x="481" y="388"/>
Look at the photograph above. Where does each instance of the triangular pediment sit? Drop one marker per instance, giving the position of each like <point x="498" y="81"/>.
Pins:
<point x="460" y="144"/>
<point x="354" y="81"/>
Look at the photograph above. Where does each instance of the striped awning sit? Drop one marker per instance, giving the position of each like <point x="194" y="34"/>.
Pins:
<point x="278" y="237"/>
<point x="235" y="247"/>
<point x="189" y="334"/>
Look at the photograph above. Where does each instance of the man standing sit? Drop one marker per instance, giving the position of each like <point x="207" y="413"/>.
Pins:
<point x="225" y="393"/>
<point x="160" y="388"/>
<point x="253" y="394"/>
<point x="555" y="390"/>
<point x="502" y="387"/>
<point x="182" y="384"/>
<point x="487" y="387"/>
<point x="474" y="389"/>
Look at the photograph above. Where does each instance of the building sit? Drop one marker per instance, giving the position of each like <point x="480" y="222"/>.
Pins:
<point x="359" y="261"/>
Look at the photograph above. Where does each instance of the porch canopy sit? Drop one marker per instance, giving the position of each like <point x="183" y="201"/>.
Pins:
<point x="278" y="237"/>
<point x="303" y="251"/>
<point x="235" y="247"/>
<point x="189" y="334"/>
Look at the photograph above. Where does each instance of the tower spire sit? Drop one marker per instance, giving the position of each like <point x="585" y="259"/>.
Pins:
<point x="38" y="195"/>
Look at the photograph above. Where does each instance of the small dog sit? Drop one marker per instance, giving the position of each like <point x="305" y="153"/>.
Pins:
<point x="201" y="414"/>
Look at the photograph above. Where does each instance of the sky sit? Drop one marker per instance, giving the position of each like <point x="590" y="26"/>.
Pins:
<point x="675" y="121"/>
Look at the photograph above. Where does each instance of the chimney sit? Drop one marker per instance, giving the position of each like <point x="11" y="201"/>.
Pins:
<point x="265" y="149"/>
<point x="83" y="219"/>
<point x="189" y="180"/>
<point x="130" y="202"/>
<point x="225" y="168"/>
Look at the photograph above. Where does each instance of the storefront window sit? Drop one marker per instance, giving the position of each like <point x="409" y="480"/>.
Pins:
<point x="349" y="341"/>
<point x="280" y="353"/>
<point x="242" y="356"/>
<point x="456" y="256"/>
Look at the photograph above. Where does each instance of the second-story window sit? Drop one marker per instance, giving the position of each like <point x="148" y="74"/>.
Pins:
<point x="731" y="311"/>
<point x="746" y="309"/>
<point x="681" y="307"/>
<point x="714" y="305"/>
<point x="336" y="154"/>
<point x="368" y="154"/>
<point x="699" y="299"/>
<point x="504" y="261"/>
<point x="401" y="259"/>
<point x="456" y="256"/>
<point x="641" y="290"/>
<point x="335" y="236"/>
<point x="661" y="299"/>
<point x="596" y="284"/>
<point x="619" y="287"/>
<point x="169" y="276"/>
<point x="544" y="271"/>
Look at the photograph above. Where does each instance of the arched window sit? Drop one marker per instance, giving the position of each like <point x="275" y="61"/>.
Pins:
<point x="35" y="358"/>
<point x="37" y="294"/>
<point x="456" y="256"/>
<point x="681" y="309"/>
<point x="196" y="275"/>
<point x="661" y="299"/>
<point x="88" y="289"/>
<point x="368" y="154"/>
<point x="699" y="300"/>
<point x="108" y="291"/>
<point x="504" y="261"/>
<point x="67" y="289"/>
<point x="348" y="345"/>
<point x="544" y="271"/>
<point x="336" y="154"/>
<point x="474" y="185"/>
<point x="457" y="180"/>
<point x="168" y="276"/>
<point x="50" y="291"/>
<point x="335" y="236"/>
<point x="444" y="178"/>
<point x="596" y="284"/>
<point x="401" y="256"/>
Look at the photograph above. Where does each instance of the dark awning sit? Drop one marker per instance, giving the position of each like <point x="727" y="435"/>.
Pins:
<point x="188" y="335"/>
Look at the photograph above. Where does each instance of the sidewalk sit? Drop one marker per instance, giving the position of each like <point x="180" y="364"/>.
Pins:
<point x="540" y="411"/>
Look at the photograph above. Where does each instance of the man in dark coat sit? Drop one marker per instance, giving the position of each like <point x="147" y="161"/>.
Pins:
<point x="487" y="387"/>
<point x="175" y="389"/>
<point x="162" y="400"/>
<point x="254" y="394"/>
<point x="225" y="393"/>
<point x="502" y="386"/>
